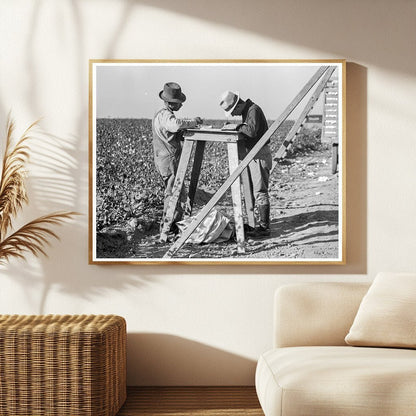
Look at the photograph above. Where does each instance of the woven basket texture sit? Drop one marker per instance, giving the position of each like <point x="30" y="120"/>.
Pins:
<point x="72" y="365"/>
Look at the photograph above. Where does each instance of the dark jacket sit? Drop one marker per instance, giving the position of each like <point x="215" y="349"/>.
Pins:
<point x="254" y="124"/>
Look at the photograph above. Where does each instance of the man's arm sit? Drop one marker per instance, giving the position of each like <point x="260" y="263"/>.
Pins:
<point x="173" y="124"/>
<point x="250" y="127"/>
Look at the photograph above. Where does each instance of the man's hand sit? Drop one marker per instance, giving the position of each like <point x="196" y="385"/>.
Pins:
<point x="230" y="127"/>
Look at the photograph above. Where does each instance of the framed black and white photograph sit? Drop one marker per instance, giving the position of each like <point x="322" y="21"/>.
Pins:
<point x="217" y="162"/>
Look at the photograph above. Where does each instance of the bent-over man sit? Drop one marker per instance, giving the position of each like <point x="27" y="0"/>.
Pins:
<point x="253" y="127"/>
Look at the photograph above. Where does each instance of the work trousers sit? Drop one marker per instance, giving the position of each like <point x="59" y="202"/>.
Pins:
<point x="169" y="181"/>
<point x="167" y="167"/>
<point x="259" y="169"/>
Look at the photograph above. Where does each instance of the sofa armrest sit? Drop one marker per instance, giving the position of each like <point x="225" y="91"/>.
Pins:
<point x="315" y="313"/>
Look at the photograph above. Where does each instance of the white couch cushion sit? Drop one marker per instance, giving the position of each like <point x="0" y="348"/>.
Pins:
<point x="315" y="313"/>
<point x="386" y="316"/>
<point x="337" y="381"/>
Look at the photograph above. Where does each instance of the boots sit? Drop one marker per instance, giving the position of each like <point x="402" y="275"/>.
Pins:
<point x="264" y="228"/>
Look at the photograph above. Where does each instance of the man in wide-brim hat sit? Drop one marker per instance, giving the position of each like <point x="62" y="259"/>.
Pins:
<point x="167" y="147"/>
<point x="254" y="126"/>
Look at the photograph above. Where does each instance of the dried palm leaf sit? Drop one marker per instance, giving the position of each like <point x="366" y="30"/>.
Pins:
<point x="13" y="177"/>
<point x="32" y="237"/>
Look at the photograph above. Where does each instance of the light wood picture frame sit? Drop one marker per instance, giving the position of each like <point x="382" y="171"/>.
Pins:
<point x="303" y="102"/>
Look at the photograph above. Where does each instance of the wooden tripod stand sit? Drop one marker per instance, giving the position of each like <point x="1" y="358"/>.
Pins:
<point x="236" y="151"/>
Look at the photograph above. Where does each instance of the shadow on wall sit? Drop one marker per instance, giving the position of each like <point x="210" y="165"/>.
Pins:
<point x="356" y="168"/>
<point x="166" y="360"/>
<point x="69" y="280"/>
<point x="55" y="161"/>
<point x="377" y="34"/>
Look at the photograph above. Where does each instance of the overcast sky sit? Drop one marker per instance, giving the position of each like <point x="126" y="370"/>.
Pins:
<point x="131" y="90"/>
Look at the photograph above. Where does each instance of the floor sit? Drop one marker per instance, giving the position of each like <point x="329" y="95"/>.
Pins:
<point x="187" y="401"/>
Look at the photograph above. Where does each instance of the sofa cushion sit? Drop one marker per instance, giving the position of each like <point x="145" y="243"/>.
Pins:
<point x="315" y="313"/>
<point x="342" y="380"/>
<point x="386" y="316"/>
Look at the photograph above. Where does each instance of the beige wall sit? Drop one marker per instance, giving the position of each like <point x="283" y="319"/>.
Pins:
<point x="204" y="324"/>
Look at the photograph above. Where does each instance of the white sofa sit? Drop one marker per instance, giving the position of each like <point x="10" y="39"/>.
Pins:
<point x="312" y="371"/>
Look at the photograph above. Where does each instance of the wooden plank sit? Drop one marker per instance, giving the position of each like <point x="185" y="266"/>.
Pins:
<point x="244" y="163"/>
<point x="236" y="197"/>
<point x="216" y="138"/>
<point x="209" y="131"/>
<point x="281" y="153"/>
<point x="196" y="170"/>
<point x="212" y="135"/>
<point x="177" y="188"/>
<point x="247" y="187"/>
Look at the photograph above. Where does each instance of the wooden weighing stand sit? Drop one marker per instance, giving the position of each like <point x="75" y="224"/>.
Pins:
<point x="236" y="151"/>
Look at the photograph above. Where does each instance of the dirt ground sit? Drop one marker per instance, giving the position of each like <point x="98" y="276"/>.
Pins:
<point x="304" y="219"/>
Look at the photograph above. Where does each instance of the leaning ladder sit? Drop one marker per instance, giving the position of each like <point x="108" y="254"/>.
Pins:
<point x="294" y="131"/>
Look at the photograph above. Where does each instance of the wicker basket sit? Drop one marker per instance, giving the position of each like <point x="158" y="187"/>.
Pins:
<point x="71" y="365"/>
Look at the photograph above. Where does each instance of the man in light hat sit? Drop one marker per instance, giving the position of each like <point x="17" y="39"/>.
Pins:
<point x="167" y="147"/>
<point x="253" y="127"/>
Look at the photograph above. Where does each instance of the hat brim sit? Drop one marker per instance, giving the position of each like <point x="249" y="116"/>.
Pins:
<point x="172" y="100"/>
<point x="228" y="113"/>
